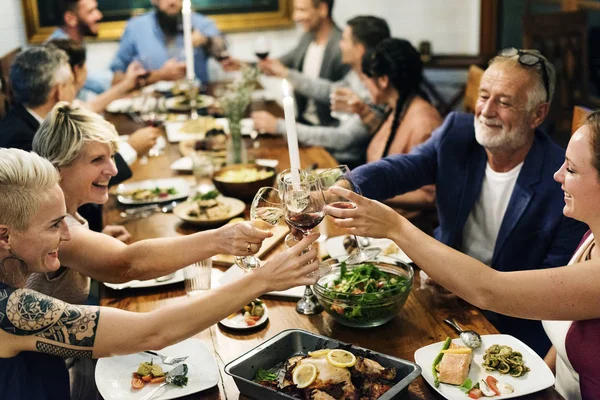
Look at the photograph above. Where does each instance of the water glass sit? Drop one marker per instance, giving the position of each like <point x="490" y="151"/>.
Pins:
<point x="203" y="168"/>
<point x="197" y="277"/>
<point x="339" y="103"/>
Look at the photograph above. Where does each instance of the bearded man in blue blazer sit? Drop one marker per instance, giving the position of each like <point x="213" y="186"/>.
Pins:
<point x="497" y="200"/>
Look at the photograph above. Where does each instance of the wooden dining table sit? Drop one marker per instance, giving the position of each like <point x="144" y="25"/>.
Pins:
<point x="419" y="323"/>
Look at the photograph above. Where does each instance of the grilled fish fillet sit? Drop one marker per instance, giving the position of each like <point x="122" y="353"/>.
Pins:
<point x="454" y="368"/>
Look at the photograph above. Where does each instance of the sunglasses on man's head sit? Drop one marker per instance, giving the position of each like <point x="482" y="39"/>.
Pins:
<point x="529" y="60"/>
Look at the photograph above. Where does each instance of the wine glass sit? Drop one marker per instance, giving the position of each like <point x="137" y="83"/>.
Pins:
<point x="304" y="202"/>
<point x="285" y="178"/>
<point x="342" y="177"/>
<point x="219" y="48"/>
<point x="262" y="47"/>
<point x="265" y="212"/>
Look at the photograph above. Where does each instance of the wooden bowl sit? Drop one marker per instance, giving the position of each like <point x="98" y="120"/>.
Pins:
<point x="246" y="189"/>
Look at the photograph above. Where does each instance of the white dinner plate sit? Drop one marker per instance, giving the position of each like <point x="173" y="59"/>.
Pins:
<point x="174" y="134"/>
<point x="234" y="272"/>
<point x="175" y="102"/>
<point x="335" y="248"/>
<point x="184" y="164"/>
<point x="113" y="374"/>
<point x="238" y="322"/>
<point x="236" y="207"/>
<point x="180" y="185"/>
<point x="538" y="378"/>
<point x="164" y="280"/>
<point x="120" y="105"/>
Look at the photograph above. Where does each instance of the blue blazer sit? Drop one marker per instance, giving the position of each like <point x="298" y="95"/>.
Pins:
<point x="534" y="233"/>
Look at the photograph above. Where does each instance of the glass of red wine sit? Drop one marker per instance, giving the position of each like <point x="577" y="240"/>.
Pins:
<point x="219" y="48"/>
<point x="262" y="47"/>
<point x="341" y="176"/>
<point x="304" y="202"/>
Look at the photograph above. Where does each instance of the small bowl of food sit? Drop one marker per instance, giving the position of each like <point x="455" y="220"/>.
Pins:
<point x="365" y="295"/>
<point x="242" y="181"/>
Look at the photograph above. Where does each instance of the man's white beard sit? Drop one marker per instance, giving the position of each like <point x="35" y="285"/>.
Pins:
<point x="499" y="140"/>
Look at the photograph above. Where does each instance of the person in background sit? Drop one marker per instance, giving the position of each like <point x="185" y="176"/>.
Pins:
<point x="38" y="331"/>
<point x="142" y="140"/>
<point x="40" y="78"/>
<point x="393" y="73"/>
<point x="566" y="298"/>
<point x="156" y="40"/>
<point x="496" y="198"/>
<point x="347" y="141"/>
<point x="317" y="55"/>
<point x="79" y="19"/>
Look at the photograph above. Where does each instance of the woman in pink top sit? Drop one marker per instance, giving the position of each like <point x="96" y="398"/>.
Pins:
<point x="393" y="74"/>
<point x="561" y="295"/>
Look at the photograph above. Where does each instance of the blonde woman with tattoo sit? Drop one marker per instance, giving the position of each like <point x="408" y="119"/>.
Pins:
<point x="36" y="330"/>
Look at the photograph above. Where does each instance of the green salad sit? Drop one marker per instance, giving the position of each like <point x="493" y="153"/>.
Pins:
<point x="364" y="294"/>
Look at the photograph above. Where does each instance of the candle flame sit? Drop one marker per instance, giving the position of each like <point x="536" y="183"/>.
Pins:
<point x="285" y="87"/>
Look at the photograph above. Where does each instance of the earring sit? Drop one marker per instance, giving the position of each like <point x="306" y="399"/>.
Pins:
<point x="13" y="270"/>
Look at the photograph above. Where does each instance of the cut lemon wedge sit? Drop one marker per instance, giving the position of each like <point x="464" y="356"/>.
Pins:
<point x="304" y="375"/>
<point x="319" y="353"/>
<point x="341" y="358"/>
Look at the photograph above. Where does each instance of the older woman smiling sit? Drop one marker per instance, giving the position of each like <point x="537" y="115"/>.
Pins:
<point x="37" y="330"/>
<point x="80" y="144"/>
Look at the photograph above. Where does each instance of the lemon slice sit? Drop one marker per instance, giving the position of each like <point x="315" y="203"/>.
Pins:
<point x="341" y="358"/>
<point x="319" y="353"/>
<point x="304" y="375"/>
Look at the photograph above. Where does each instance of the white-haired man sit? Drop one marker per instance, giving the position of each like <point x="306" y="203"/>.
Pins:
<point x="497" y="200"/>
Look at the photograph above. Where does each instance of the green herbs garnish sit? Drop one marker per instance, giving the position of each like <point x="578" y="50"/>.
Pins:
<point x="179" y="380"/>
<point x="158" y="191"/>
<point x="213" y="194"/>
<point x="466" y="386"/>
<point x="265" y="375"/>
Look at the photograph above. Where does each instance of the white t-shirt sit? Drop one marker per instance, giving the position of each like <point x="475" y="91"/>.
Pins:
<point x="483" y="224"/>
<point x="313" y="59"/>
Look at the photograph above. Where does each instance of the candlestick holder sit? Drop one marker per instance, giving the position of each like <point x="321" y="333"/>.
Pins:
<point x="193" y="97"/>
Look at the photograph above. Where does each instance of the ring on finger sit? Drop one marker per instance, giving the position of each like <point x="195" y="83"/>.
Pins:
<point x="249" y="248"/>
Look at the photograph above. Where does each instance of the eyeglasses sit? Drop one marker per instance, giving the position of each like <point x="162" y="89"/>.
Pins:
<point x="529" y="60"/>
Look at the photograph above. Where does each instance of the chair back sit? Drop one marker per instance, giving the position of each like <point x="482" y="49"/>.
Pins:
<point x="579" y="114"/>
<point x="563" y="39"/>
<point x="472" y="88"/>
<point x="5" y="64"/>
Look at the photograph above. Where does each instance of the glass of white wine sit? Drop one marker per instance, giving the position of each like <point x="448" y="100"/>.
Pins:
<point x="266" y="211"/>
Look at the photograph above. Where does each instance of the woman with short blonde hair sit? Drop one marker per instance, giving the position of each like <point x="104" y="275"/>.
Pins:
<point x="38" y="330"/>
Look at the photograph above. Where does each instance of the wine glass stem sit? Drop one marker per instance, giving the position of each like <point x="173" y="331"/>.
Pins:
<point x="358" y="244"/>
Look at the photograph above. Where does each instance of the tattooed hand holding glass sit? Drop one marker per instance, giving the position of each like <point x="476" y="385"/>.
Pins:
<point x="34" y="326"/>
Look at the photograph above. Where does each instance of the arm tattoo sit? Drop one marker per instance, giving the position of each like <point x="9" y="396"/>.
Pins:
<point x="26" y="312"/>
<point x="60" y="351"/>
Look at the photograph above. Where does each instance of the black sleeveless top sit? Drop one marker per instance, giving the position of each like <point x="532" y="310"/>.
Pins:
<point x="31" y="375"/>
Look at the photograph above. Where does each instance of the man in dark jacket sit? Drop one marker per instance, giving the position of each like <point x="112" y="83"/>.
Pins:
<point x="497" y="200"/>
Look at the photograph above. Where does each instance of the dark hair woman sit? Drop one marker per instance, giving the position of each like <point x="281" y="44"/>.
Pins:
<point x="393" y="73"/>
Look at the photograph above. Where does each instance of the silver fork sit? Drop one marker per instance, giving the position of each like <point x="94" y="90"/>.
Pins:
<point x="167" y="359"/>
